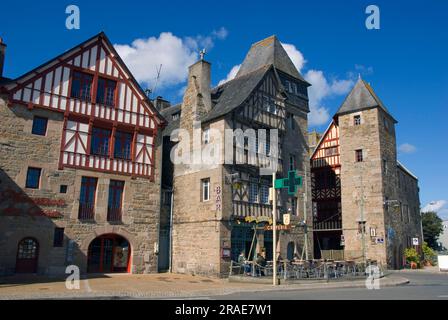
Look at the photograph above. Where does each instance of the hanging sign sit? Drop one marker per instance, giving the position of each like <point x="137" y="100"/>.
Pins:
<point x="218" y="198"/>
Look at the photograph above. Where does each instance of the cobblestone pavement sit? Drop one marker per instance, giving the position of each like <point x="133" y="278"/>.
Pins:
<point x="153" y="286"/>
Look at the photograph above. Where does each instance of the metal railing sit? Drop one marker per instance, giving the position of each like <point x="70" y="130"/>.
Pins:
<point x="305" y="269"/>
<point x="86" y="211"/>
<point x="114" y="214"/>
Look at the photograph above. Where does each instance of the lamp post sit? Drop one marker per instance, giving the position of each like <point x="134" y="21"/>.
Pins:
<point x="274" y="230"/>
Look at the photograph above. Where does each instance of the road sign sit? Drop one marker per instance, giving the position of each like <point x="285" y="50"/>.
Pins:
<point x="415" y="241"/>
<point x="291" y="183"/>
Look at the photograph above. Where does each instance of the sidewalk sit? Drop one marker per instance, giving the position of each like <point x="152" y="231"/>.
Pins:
<point x="155" y="286"/>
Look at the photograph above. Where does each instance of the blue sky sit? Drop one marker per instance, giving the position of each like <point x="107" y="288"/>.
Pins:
<point x="405" y="61"/>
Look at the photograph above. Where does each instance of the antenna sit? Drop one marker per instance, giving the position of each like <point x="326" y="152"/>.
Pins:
<point x="158" y="70"/>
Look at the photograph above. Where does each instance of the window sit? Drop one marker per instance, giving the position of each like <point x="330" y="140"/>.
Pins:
<point x="359" y="156"/>
<point x="357" y="120"/>
<point x="115" y="202"/>
<point x="33" y="178"/>
<point x="294" y="88"/>
<point x="100" y="141"/>
<point x="385" y="167"/>
<point x="87" y="198"/>
<point x="176" y="116"/>
<point x="292" y="162"/>
<point x="58" y="238"/>
<point x="63" y="188"/>
<point x="205" y="189"/>
<point x="253" y="191"/>
<point x="105" y="93"/>
<point x="332" y="151"/>
<point x="361" y="227"/>
<point x="206" y="135"/>
<point x="122" y="145"/>
<point x="269" y="105"/>
<point x="39" y="126"/>
<point x="294" y="206"/>
<point x="264" y="194"/>
<point x="81" y="86"/>
<point x="290" y="121"/>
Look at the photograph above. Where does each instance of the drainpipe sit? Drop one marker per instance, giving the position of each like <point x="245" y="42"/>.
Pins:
<point x="171" y="230"/>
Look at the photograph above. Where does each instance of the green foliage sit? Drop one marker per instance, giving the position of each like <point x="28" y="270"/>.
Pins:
<point x="432" y="228"/>
<point x="429" y="254"/>
<point x="411" y="255"/>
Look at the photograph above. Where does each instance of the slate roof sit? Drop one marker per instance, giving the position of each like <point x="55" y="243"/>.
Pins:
<point x="361" y="97"/>
<point x="268" y="52"/>
<point x="167" y="113"/>
<point x="262" y="57"/>
<point x="233" y="93"/>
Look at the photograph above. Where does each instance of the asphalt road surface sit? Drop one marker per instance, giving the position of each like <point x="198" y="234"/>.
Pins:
<point x="422" y="286"/>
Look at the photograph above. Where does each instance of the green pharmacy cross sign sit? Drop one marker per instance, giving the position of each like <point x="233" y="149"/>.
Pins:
<point x="292" y="183"/>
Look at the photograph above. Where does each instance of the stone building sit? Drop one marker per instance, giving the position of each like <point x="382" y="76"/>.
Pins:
<point x="222" y="207"/>
<point x="365" y="203"/>
<point x="79" y="170"/>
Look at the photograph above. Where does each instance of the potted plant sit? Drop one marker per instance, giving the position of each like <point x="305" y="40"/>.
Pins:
<point x="429" y="255"/>
<point x="412" y="257"/>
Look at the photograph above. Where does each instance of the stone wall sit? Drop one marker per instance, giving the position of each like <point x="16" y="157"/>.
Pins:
<point x="362" y="185"/>
<point x="26" y="215"/>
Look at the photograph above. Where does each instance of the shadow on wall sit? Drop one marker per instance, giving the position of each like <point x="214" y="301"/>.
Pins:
<point x="29" y="240"/>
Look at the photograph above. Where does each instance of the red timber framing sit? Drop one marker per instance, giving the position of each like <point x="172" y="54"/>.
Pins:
<point x="50" y="87"/>
<point x="327" y="152"/>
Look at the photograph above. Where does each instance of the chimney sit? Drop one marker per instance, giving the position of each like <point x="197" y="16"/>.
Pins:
<point x="197" y="100"/>
<point x="2" y="56"/>
<point x="161" y="103"/>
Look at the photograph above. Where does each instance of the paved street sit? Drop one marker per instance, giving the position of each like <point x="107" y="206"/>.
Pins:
<point x="423" y="285"/>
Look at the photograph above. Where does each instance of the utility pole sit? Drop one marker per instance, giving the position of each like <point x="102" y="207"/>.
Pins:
<point x="274" y="229"/>
<point x="363" y="223"/>
<point x="305" y="227"/>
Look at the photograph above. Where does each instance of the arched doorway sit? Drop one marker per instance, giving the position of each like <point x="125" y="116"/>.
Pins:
<point x="109" y="253"/>
<point x="27" y="256"/>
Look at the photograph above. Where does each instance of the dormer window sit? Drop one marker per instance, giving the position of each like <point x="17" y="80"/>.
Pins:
<point x="81" y="86"/>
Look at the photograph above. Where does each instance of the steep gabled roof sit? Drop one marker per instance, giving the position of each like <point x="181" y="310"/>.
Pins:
<point x="361" y="97"/>
<point x="268" y="52"/>
<point x="10" y="85"/>
<point x="233" y="93"/>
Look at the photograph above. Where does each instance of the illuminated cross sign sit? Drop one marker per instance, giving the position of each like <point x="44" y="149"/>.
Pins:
<point x="292" y="183"/>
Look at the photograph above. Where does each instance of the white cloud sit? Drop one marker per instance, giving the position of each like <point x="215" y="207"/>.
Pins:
<point x="435" y="206"/>
<point x="295" y="55"/>
<point x="231" y="75"/>
<point x="144" y="56"/>
<point x="322" y="89"/>
<point x="407" y="148"/>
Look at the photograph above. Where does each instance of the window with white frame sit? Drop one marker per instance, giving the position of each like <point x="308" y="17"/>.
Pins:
<point x="205" y="189"/>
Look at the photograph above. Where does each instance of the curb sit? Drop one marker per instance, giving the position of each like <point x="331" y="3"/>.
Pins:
<point x="177" y="295"/>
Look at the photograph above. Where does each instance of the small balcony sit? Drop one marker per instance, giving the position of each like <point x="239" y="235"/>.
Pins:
<point x="114" y="214"/>
<point x="86" y="211"/>
<point x="327" y="225"/>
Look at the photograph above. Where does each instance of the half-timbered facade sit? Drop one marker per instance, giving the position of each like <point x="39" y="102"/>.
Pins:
<point x="78" y="149"/>
<point x="362" y="209"/>
<point x="221" y="209"/>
